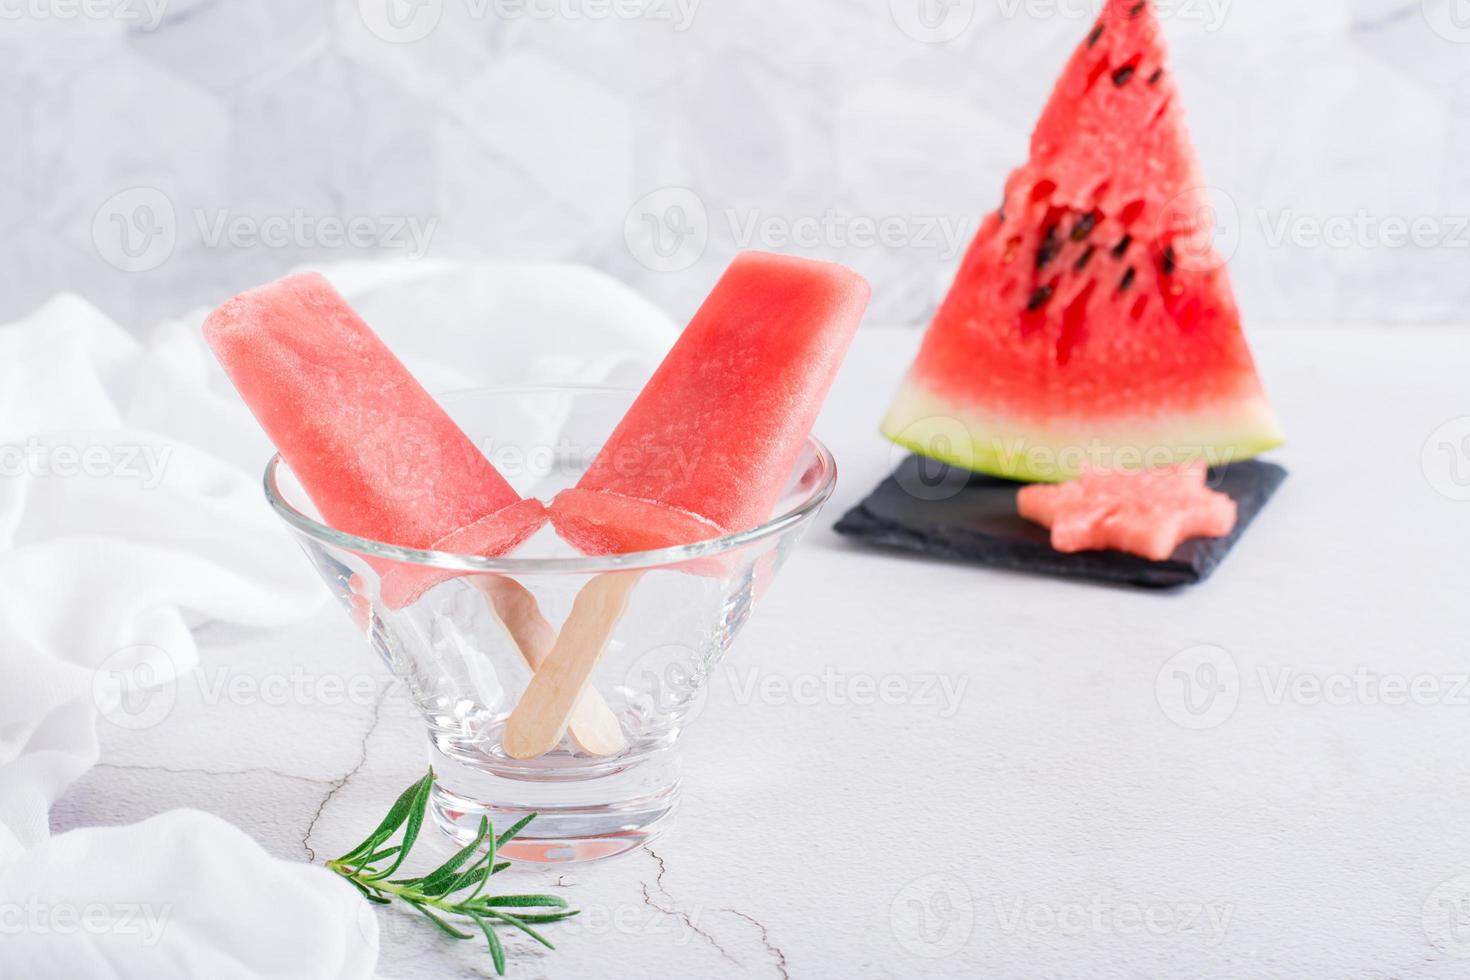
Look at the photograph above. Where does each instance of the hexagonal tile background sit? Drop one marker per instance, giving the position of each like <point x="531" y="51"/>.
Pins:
<point x="540" y="128"/>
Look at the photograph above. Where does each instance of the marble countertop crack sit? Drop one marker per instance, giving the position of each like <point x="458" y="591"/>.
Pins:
<point x="338" y="784"/>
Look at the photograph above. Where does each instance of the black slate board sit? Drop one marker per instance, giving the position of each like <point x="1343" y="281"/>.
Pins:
<point x="936" y="509"/>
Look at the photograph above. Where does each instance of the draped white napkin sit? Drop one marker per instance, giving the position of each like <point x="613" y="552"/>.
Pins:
<point x="130" y="509"/>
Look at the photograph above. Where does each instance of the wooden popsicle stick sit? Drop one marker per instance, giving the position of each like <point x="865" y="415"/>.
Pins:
<point x="537" y="724"/>
<point x="594" y="728"/>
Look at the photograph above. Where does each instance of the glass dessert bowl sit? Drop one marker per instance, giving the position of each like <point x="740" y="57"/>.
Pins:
<point x="464" y="649"/>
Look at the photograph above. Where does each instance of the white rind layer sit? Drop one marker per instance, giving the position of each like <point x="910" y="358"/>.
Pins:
<point x="974" y="439"/>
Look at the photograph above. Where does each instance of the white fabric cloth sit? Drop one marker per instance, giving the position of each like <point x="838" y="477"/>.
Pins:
<point x="184" y="894"/>
<point x="130" y="508"/>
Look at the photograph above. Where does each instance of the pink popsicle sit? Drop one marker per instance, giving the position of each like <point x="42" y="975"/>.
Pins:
<point x="705" y="450"/>
<point x="373" y="450"/>
<point x="707" y="447"/>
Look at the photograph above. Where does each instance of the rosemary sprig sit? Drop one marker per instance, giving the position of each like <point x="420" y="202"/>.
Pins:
<point x="450" y="895"/>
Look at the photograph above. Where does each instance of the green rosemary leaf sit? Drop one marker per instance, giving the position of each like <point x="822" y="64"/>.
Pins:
<point x="396" y="815"/>
<point x="441" y="880"/>
<point x="411" y="827"/>
<point x="374" y="858"/>
<point x="521" y="925"/>
<point x="440" y="895"/>
<point x="493" y="869"/>
<point x="523" y="902"/>
<point x="370" y="896"/>
<point x="515" y="828"/>
<point x="540" y="917"/>
<point x="497" y="951"/>
<point x="444" y="927"/>
<point x="459" y="882"/>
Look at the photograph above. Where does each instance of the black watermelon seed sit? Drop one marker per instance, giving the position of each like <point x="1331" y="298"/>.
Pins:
<point x="1051" y="245"/>
<point x="1121" y="76"/>
<point x="1128" y="278"/>
<point x="1121" y="249"/>
<point x="1137" y="9"/>
<point x="1168" y="260"/>
<point x="1085" y="224"/>
<point x="1154" y="78"/>
<point x="1039" y="299"/>
<point x="1086" y="258"/>
<point x="1097" y="32"/>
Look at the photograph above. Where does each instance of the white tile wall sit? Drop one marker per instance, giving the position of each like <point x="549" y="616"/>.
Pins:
<point x="162" y="153"/>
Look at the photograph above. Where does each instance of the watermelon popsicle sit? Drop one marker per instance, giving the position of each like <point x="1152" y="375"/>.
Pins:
<point x="705" y="451"/>
<point x="378" y="456"/>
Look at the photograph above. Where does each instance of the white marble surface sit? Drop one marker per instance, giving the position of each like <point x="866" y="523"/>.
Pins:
<point x="1056" y="819"/>
<point x="562" y="128"/>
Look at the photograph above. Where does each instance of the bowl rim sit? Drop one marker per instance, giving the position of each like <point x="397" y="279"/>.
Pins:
<point x="804" y="511"/>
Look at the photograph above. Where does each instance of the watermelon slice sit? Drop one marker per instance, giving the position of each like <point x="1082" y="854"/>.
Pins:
<point x="1092" y="322"/>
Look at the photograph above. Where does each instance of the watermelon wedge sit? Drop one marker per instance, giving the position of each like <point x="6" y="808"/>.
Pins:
<point x="1092" y="322"/>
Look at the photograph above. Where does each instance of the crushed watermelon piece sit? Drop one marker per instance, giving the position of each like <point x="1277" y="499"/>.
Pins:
<point x="1143" y="512"/>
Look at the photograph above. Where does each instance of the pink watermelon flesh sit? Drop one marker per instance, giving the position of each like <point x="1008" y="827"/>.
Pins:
<point x="707" y="447"/>
<point x="1091" y="320"/>
<point x="1143" y="512"/>
<point x="373" y="450"/>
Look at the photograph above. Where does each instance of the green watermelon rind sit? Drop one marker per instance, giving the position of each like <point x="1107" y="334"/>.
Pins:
<point x="939" y="429"/>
